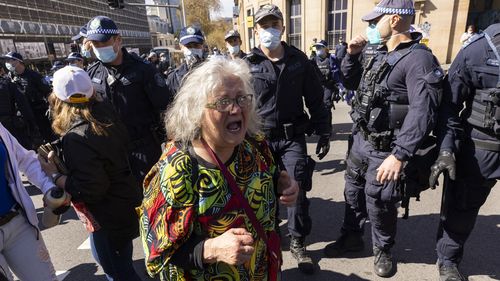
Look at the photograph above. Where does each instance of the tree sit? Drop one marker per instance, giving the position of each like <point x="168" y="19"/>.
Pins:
<point x="198" y="14"/>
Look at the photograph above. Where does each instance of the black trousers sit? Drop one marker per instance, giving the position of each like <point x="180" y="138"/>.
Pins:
<point x="477" y="172"/>
<point x="290" y="152"/>
<point x="367" y="198"/>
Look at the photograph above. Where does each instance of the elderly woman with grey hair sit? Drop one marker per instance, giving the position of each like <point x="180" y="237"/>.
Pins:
<point x="210" y="203"/>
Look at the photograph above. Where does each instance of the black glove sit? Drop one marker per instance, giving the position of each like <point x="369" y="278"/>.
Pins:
<point x="323" y="146"/>
<point x="336" y="97"/>
<point x="445" y="162"/>
<point x="61" y="210"/>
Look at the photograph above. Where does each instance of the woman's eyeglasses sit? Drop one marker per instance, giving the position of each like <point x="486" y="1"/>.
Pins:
<point x="226" y="104"/>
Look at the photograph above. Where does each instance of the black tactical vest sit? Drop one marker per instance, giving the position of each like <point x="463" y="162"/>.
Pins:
<point x="485" y="110"/>
<point x="324" y="66"/>
<point x="378" y="110"/>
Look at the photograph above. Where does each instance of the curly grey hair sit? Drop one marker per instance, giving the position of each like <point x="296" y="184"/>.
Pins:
<point x="184" y="116"/>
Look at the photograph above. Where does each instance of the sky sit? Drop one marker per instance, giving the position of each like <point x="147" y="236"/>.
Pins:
<point x="227" y="9"/>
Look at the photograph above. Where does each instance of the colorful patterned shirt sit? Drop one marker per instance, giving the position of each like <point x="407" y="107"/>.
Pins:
<point x="175" y="207"/>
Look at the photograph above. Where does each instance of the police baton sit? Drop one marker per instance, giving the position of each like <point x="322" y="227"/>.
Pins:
<point x="445" y="195"/>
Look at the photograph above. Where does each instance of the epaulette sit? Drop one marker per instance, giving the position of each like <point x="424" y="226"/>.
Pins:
<point x="93" y="65"/>
<point x="137" y="58"/>
<point x="251" y="58"/>
<point x="472" y="39"/>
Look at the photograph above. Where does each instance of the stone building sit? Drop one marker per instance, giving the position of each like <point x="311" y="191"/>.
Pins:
<point x="442" y="22"/>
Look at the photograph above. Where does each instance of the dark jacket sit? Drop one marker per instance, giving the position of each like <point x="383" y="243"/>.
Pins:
<point x="100" y="174"/>
<point x="280" y="98"/>
<point x="474" y="68"/>
<point x="174" y="78"/>
<point x="33" y="86"/>
<point x="139" y="94"/>
<point x="341" y="51"/>
<point x="416" y="76"/>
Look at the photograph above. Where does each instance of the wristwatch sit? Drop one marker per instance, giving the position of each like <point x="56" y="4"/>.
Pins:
<point x="56" y="176"/>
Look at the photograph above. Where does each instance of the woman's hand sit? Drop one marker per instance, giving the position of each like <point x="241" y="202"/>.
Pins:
<point x="48" y="166"/>
<point x="233" y="247"/>
<point x="288" y="188"/>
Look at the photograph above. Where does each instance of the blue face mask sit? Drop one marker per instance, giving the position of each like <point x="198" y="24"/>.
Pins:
<point x="105" y="54"/>
<point x="86" y="53"/>
<point x="373" y="34"/>
<point x="270" y="38"/>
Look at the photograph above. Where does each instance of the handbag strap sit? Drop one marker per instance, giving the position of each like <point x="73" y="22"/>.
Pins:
<point x="237" y="192"/>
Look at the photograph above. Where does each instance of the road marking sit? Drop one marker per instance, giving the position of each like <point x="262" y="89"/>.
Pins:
<point x="85" y="245"/>
<point x="61" y="275"/>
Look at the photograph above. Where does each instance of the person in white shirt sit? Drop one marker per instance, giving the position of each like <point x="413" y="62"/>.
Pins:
<point x="22" y="249"/>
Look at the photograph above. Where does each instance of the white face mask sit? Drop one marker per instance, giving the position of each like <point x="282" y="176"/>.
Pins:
<point x="270" y="38"/>
<point x="233" y="50"/>
<point x="321" y="53"/>
<point x="192" y="52"/>
<point x="10" y="67"/>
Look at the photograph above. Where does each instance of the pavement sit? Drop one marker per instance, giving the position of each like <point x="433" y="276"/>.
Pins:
<point x="415" y="243"/>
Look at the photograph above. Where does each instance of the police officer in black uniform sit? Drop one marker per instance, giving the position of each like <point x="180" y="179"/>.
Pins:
<point x="136" y="90"/>
<point x="36" y="90"/>
<point x="75" y="59"/>
<point x="394" y="110"/>
<point x="341" y="49"/>
<point x="15" y="112"/>
<point x="233" y="44"/>
<point x="283" y="76"/>
<point x="474" y="78"/>
<point x="191" y="42"/>
<point x="329" y="75"/>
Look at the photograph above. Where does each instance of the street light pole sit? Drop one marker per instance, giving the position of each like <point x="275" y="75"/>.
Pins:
<point x="183" y="13"/>
<point x="152" y="5"/>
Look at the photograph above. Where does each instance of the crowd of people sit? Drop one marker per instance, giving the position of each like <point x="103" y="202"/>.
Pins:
<point x="196" y="160"/>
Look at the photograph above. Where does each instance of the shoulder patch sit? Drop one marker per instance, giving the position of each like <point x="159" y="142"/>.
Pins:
<point x="472" y="39"/>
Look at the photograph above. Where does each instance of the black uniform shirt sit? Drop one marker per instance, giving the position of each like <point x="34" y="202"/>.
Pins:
<point x="475" y="67"/>
<point x="280" y="94"/>
<point x="174" y="78"/>
<point x="417" y="75"/>
<point x="136" y="89"/>
<point x="33" y="86"/>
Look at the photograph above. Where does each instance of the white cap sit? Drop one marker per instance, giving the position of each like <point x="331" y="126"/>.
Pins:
<point x="72" y="85"/>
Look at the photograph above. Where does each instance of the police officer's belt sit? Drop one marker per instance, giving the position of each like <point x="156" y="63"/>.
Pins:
<point x="486" y="145"/>
<point x="286" y="131"/>
<point x="380" y="141"/>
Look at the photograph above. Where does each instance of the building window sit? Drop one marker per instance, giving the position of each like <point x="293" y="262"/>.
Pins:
<point x="251" y="38"/>
<point x="295" y="24"/>
<point x="337" y="22"/>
